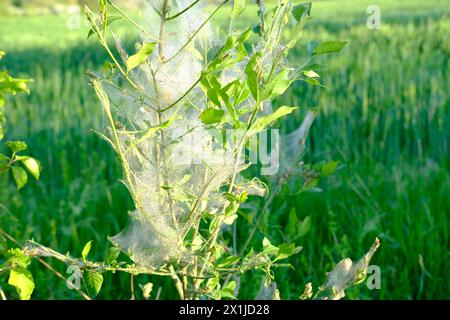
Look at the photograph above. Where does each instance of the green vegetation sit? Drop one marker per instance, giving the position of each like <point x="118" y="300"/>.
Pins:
<point x="384" y="115"/>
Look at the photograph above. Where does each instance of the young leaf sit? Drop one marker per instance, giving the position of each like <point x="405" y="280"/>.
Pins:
<point x="292" y="225"/>
<point x="313" y="81"/>
<point x="141" y="56"/>
<point x="86" y="249"/>
<point x="285" y="251"/>
<point x="112" y="255"/>
<point x="150" y="132"/>
<point x="268" y="247"/>
<point x="311" y="74"/>
<point x="17" y="258"/>
<point x="210" y="116"/>
<point x="20" y="177"/>
<point x="211" y="87"/>
<point x="23" y="281"/>
<point x="263" y="122"/>
<point x="16" y="146"/>
<point x="230" y="219"/>
<point x="304" y="226"/>
<point x="228" y="261"/>
<point x="301" y="11"/>
<point x="228" y="290"/>
<point x="197" y="243"/>
<point x="94" y="281"/>
<point x="32" y="165"/>
<point x="277" y="86"/>
<point x="252" y="75"/>
<point x="329" y="168"/>
<point x="329" y="47"/>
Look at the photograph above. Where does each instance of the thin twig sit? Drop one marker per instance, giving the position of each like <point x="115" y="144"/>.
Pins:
<point x="183" y="11"/>
<point x="123" y="14"/>
<point x="45" y="264"/>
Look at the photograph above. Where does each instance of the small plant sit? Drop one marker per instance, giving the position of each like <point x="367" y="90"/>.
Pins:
<point x="16" y="261"/>
<point x="18" y="164"/>
<point x="182" y="112"/>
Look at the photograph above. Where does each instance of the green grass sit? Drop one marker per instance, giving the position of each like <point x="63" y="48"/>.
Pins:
<point x="384" y="114"/>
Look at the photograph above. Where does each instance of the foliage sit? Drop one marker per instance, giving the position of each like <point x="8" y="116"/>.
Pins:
<point x="179" y="87"/>
<point x="359" y="104"/>
<point x="16" y="261"/>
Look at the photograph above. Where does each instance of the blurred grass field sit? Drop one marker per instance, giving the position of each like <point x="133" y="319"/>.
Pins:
<point x="384" y="114"/>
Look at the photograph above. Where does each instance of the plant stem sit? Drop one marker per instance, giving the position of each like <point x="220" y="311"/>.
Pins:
<point x="177" y="282"/>
<point x="183" y="11"/>
<point x="2" y="294"/>
<point x="123" y="14"/>
<point x="132" y="287"/>
<point x="45" y="264"/>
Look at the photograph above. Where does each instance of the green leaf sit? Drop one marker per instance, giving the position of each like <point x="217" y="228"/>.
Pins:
<point x="214" y="91"/>
<point x="17" y="258"/>
<point x="292" y="225"/>
<point x="13" y="85"/>
<point x="211" y="87"/>
<point x="230" y="219"/>
<point x="150" y="132"/>
<point x="31" y="164"/>
<point x="252" y="75"/>
<point x="305" y="227"/>
<point x="277" y="86"/>
<point x="86" y="249"/>
<point x="264" y="121"/>
<point x="210" y="116"/>
<point x="141" y="56"/>
<point x="238" y="7"/>
<point x="311" y="74"/>
<point x="4" y="158"/>
<point x="20" y="177"/>
<point x="228" y="261"/>
<point x="329" y="168"/>
<point x="16" y="146"/>
<point x="94" y="281"/>
<point x="232" y="52"/>
<point x="285" y="250"/>
<point x="112" y="255"/>
<point x="302" y="11"/>
<point x="313" y="81"/>
<point x="329" y="47"/>
<point x="227" y="291"/>
<point x="23" y="281"/>
<point x="197" y="243"/>
<point x="268" y="247"/>
<point x="2" y="54"/>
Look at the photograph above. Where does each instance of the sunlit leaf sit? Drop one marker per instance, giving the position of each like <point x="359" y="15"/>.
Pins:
<point x="94" y="281"/>
<point x="31" y="164"/>
<point x="211" y="116"/>
<point x="141" y="56"/>
<point x="329" y="47"/>
<point x="20" y="177"/>
<point x="265" y="121"/>
<point x="86" y="250"/>
<point x="23" y="281"/>
<point x="16" y="146"/>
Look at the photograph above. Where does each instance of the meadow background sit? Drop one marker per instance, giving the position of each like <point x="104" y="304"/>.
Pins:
<point x="384" y="115"/>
